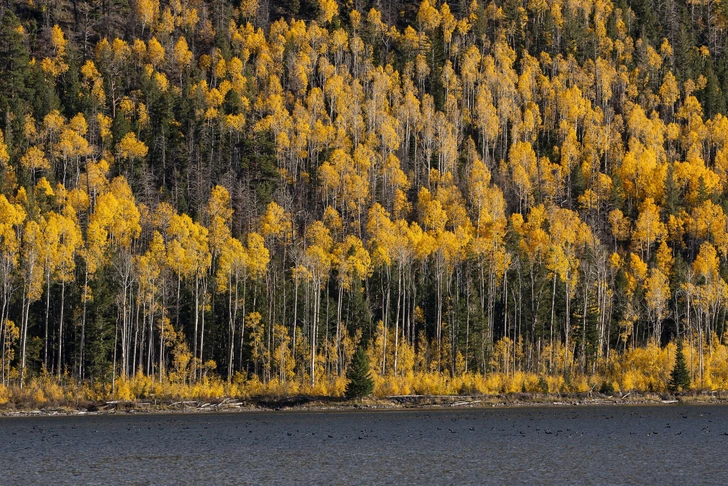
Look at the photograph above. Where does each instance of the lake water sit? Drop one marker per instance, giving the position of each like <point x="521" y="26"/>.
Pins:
<point x="581" y="445"/>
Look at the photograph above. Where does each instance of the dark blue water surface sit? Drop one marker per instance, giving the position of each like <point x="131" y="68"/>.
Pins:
<point x="560" y="445"/>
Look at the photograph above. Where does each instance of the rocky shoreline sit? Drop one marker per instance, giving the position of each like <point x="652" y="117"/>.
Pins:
<point x="399" y="402"/>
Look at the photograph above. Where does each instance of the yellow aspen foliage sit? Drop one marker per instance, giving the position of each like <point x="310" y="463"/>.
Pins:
<point x="642" y="173"/>
<point x="139" y="48"/>
<point x="381" y="232"/>
<point x="676" y="227"/>
<point x="219" y="204"/>
<point x="131" y="148"/>
<point x="115" y="221"/>
<point x="332" y="220"/>
<point x="89" y="71"/>
<point x="319" y="235"/>
<point x="275" y="222"/>
<point x="232" y="264"/>
<point x="78" y="124"/>
<point x="182" y="53"/>
<point x="32" y="267"/>
<point x="708" y="221"/>
<point x="536" y="241"/>
<point x="53" y="122"/>
<point x="451" y="246"/>
<point x="258" y="255"/>
<point x="12" y="217"/>
<point x="664" y="258"/>
<point x="648" y="227"/>
<point x="150" y="264"/>
<point x="401" y="205"/>
<point x="126" y="105"/>
<point x="447" y="21"/>
<point x="96" y="176"/>
<point x="697" y="179"/>
<point x="452" y="200"/>
<point x="186" y="17"/>
<point x="34" y="159"/>
<point x="160" y="79"/>
<point x="62" y="231"/>
<point x="76" y="198"/>
<point x="142" y="115"/>
<point x="694" y="130"/>
<point x="721" y="165"/>
<point x="282" y="360"/>
<point x="220" y="68"/>
<point x="155" y="52"/>
<point x="147" y="11"/>
<point x="56" y="65"/>
<point x="248" y="8"/>
<point x="615" y="260"/>
<point x="467" y="173"/>
<point x="104" y="123"/>
<point x="669" y="91"/>
<point x="43" y="188"/>
<point x="120" y="50"/>
<point x="328" y="9"/>
<point x="428" y="18"/>
<point x="432" y="216"/>
<point x="422" y="243"/>
<point x="352" y="260"/>
<point x="71" y="143"/>
<point x="619" y="225"/>
<point x="220" y="212"/>
<point x="166" y="22"/>
<point x="523" y="168"/>
<point x="259" y="352"/>
<point x="4" y="156"/>
<point x="638" y="267"/>
<point x="657" y="296"/>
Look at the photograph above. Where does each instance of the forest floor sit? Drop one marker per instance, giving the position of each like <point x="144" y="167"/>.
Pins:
<point x="401" y="402"/>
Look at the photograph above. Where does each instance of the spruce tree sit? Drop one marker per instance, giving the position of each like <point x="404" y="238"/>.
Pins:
<point x="360" y="378"/>
<point x="679" y="377"/>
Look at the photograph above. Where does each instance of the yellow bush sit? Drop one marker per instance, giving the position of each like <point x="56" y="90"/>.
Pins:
<point x="38" y="397"/>
<point x="5" y="394"/>
<point x="555" y="383"/>
<point x="123" y="390"/>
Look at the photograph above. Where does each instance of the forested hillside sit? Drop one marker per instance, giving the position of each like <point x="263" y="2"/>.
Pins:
<point x="505" y="196"/>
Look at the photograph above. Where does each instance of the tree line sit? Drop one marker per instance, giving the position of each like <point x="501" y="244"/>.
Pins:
<point x="194" y="189"/>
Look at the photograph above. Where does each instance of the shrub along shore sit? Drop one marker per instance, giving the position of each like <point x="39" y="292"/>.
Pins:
<point x="401" y="402"/>
<point x="634" y="383"/>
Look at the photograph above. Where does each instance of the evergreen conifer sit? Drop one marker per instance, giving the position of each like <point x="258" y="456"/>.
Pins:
<point x="680" y="376"/>
<point x="360" y="378"/>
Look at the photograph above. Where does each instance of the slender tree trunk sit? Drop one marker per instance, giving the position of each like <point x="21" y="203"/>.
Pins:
<point x="396" y="319"/>
<point x="60" y="330"/>
<point x="339" y="304"/>
<point x="161" y="332"/>
<point x="47" y="314"/>
<point x="82" y="344"/>
<point x="26" y="313"/>
<point x="314" y="330"/>
<point x="295" y="316"/>
<point x="124" y="330"/>
<point x="197" y="323"/>
<point x="150" y="337"/>
<point x="551" y="334"/>
<point x="202" y="325"/>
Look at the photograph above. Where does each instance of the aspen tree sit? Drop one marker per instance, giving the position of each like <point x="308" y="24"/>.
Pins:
<point x="12" y="217"/>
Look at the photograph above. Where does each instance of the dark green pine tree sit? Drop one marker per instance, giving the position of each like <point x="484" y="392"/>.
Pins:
<point x="680" y="376"/>
<point x="360" y="378"/>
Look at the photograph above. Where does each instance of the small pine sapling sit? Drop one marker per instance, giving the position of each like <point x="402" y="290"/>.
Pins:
<point x="360" y="379"/>
<point x="680" y="376"/>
